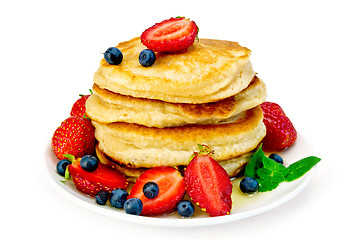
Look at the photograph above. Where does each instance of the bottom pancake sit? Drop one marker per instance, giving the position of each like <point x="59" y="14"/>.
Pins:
<point x="231" y="166"/>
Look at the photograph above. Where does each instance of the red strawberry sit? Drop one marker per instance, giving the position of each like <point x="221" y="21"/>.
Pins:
<point x="103" y="178"/>
<point x="75" y="136"/>
<point x="78" y="108"/>
<point x="171" y="35"/>
<point x="280" y="132"/>
<point x="171" y="190"/>
<point x="208" y="184"/>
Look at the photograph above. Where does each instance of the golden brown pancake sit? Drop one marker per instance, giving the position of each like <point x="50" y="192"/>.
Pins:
<point x="139" y="146"/>
<point x="146" y="117"/>
<point x="231" y="166"/>
<point x="105" y="106"/>
<point x="210" y="70"/>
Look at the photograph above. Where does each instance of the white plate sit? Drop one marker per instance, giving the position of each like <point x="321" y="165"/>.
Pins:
<point x="244" y="206"/>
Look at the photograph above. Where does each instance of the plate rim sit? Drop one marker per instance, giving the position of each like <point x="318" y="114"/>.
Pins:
<point x="303" y="182"/>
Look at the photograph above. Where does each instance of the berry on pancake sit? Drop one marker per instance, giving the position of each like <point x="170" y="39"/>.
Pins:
<point x="171" y="36"/>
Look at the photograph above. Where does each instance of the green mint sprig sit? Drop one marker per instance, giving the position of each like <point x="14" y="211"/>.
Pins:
<point x="270" y="174"/>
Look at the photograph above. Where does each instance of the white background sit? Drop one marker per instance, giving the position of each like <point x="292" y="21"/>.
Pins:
<point x="307" y="52"/>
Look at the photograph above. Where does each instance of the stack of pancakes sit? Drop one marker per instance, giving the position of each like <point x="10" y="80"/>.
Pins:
<point x="146" y="117"/>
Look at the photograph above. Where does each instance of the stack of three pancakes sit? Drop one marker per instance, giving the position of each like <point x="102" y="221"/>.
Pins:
<point x="146" y="117"/>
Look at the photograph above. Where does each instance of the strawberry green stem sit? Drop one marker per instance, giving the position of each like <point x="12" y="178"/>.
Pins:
<point x="70" y="157"/>
<point x="91" y="92"/>
<point x="204" y="150"/>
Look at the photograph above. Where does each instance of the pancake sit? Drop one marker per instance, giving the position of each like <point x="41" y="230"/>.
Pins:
<point x="130" y="172"/>
<point x="105" y="106"/>
<point x="231" y="166"/>
<point x="210" y="70"/>
<point x="139" y="146"/>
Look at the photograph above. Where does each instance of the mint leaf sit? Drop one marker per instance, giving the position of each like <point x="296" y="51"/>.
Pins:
<point x="255" y="163"/>
<point x="275" y="166"/>
<point x="270" y="175"/>
<point x="299" y="168"/>
<point x="265" y="185"/>
<point x="268" y="169"/>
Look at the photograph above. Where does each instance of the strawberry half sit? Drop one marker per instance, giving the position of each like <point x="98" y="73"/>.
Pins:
<point x="171" y="36"/>
<point x="78" y="109"/>
<point x="171" y="190"/>
<point x="280" y="132"/>
<point x="103" y="178"/>
<point x="208" y="184"/>
<point x="74" y="136"/>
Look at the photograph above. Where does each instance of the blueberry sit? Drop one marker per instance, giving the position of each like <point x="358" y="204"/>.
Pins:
<point x="151" y="190"/>
<point x="147" y="57"/>
<point x="185" y="208"/>
<point x="249" y="185"/>
<point x="277" y="158"/>
<point x="113" y="56"/>
<point x="118" y="197"/>
<point x="133" y="206"/>
<point x="61" y="166"/>
<point x="89" y="163"/>
<point x="101" y="197"/>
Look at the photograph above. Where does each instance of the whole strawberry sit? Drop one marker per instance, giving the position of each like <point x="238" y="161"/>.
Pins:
<point x="280" y="132"/>
<point x="78" y="109"/>
<point x="74" y="136"/>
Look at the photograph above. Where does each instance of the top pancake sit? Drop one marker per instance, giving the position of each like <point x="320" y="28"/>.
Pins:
<point x="210" y="70"/>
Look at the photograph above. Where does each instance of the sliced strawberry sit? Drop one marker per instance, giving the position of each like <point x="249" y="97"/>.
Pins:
<point x="103" y="178"/>
<point x="171" y="190"/>
<point x="280" y="132"/>
<point x="171" y="35"/>
<point x="208" y="185"/>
